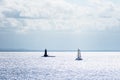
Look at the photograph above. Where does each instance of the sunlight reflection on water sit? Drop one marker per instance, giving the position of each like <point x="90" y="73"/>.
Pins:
<point x="31" y="66"/>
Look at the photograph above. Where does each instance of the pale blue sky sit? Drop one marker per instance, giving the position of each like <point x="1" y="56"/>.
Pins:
<point x="61" y="25"/>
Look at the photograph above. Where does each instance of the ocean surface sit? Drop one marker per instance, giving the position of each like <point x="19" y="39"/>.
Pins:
<point x="32" y="66"/>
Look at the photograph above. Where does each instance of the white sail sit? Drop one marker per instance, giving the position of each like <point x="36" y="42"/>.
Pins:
<point x="79" y="55"/>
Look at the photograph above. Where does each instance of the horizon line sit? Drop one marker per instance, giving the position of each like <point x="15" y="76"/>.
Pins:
<point x="30" y="50"/>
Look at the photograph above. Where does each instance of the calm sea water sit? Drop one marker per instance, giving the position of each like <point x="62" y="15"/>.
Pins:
<point x="32" y="66"/>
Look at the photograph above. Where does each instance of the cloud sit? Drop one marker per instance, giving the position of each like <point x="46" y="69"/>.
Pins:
<point x="58" y="15"/>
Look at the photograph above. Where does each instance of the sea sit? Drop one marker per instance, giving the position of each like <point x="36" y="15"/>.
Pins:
<point x="59" y="66"/>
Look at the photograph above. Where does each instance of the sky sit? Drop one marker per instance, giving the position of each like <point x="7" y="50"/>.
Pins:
<point x="60" y="24"/>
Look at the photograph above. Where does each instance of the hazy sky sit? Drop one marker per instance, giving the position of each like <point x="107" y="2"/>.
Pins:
<point x="60" y="24"/>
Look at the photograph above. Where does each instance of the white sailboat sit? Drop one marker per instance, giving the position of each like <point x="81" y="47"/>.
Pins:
<point x="79" y="55"/>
